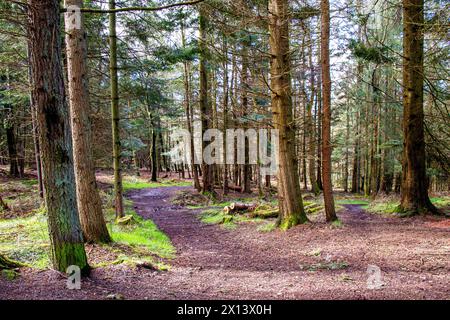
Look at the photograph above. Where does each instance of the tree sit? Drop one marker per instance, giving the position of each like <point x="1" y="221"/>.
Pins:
<point x="188" y="110"/>
<point x="289" y="194"/>
<point x="67" y="245"/>
<point x="118" y="189"/>
<point x="326" y="119"/>
<point x="414" y="187"/>
<point x="203" y="97"/>
<point x="88" y="198"/>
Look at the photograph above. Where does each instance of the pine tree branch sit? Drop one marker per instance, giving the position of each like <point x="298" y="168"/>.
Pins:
<point x="173" y="5"/>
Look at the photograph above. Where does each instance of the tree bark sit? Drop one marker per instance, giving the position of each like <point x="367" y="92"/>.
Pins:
<point x="66" y="238"/>
<point x="118" y="189"/>
<point x="326" y="119"/>
<point x="289" y="194"/>
<point x="203" y="97"/>
<point x="414" y="186"/>
<point x="88" y="198"/>
<point x="225" y="113"/>
<point x="187" y="102"/>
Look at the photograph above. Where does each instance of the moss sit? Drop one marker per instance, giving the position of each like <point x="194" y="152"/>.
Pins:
<point x="143" y="234"/>
<point x="228" y="221"/>
<point x="70" y="254"/>
<point x="291" y="221"/>
<point x="337" y="224"/>
<point x="10" y="274"/>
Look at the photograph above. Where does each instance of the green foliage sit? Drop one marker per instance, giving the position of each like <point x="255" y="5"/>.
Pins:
<point x="371" y="54"/>
<point x="305" y="12"/>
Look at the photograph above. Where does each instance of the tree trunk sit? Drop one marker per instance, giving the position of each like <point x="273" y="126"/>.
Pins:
<point x="118" y="189"/>
<point x="37" y="151"/>
<point x="203" y="97"/>
<point x="289" y="195"/>
<point x="244" y="105"/>
<point x="66" y="238"/>
<point x="225" y="113"/>
<point x="187" y="102"/>
<point x="12" y="150"/>
<point x="310" y="125"/>
<point x="154" y="154"/>
<point x="319" y="135"/>
<point x="414" y="187"/>
<point x="88" y="199"/>
<point x="326" y="119"/>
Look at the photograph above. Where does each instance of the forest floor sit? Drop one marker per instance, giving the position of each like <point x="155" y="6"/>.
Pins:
<point x="251" y="260"/>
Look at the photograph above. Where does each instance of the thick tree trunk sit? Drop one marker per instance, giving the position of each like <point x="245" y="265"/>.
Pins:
<point x="414" y="187"/>
<point x="326" y="119"/>
<point x="67" y="245"/>
<point x="289" y="195"/>
<point x="114" y="83"/>
<point x="88" y="198"/>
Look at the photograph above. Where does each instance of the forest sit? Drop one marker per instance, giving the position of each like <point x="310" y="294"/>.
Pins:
<point x="224" y="149"/>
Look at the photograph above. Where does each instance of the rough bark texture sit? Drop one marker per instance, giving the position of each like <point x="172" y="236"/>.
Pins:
<point x="118" y="189"/>
<point x="88" y="199"/>
<point x="289" y="195"/>
<point x="414" y="186"/>
<point x="326" y="119"/>
<point x="67" y="245"/>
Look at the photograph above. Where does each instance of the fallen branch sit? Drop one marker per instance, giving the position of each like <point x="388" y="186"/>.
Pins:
<point x="239" y="207"/>
<point x="6" y="263"/>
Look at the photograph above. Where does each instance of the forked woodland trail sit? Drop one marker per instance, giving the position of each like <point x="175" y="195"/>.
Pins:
<point x="312" y="261"/>
<point x="213" y="262"/>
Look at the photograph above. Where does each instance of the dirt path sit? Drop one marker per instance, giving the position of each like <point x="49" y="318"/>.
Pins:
<point x="313" y="261"/>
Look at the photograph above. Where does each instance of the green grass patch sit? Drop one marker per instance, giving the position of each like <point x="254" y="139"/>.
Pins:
<point x="267" y="227"/>
<point x="26" y="240"/>
<point x="441" y="202"/>
<point x="139" y="183"/>
<point x="352" y="201"/>
<point x="29" y="182"/>
<point x="386" y="207"/>
<point x="141" y="235"/>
